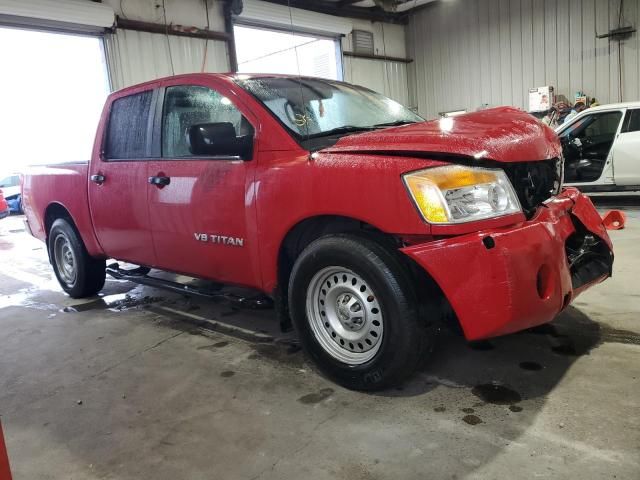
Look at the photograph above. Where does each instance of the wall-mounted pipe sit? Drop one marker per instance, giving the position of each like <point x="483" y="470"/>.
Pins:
<point x="231" y="38"/>
<point x="171" y="29"/>
<point x="371" y="56"/>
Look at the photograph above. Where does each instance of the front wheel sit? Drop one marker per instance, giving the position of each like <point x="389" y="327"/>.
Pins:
<point x="79" y="274"/>
<point x="356" y="312"/>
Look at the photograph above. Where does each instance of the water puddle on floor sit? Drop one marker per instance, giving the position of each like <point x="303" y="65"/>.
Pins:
<point x="496" y="394"/>
<point x="116" y="303"/>
<point x="531" y="366"/>
<point x="24" y="299"/>
<point x="481" y="345"/>
<point x="472" y="420"/>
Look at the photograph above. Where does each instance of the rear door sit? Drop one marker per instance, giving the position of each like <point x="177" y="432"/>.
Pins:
<point x="204" y="218"/>
<point x="118" y="181"/>
<point x="626" y="150"/>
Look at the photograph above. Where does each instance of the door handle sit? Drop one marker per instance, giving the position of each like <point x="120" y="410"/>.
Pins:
<point x="99" y="178"/>
<point x="160" y="181"/>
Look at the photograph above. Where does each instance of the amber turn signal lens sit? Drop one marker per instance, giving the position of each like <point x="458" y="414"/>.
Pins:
<point x="458" y="194"/>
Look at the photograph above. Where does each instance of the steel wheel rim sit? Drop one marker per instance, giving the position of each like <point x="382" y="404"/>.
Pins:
<point x="65" y="260"/>
<point x="344" y="315"/>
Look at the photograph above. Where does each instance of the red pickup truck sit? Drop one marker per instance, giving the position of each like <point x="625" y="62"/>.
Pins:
<point x="366" y="224"/>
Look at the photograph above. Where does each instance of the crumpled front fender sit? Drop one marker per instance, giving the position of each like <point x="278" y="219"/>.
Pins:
<point x="586" y="212"/>
<point x="500" y="281"/>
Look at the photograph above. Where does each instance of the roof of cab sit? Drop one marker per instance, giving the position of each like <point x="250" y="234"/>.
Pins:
<point x="155" y="81"/>
<point x="227" y="76"/>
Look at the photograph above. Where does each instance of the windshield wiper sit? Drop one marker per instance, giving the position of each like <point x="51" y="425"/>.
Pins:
<point x="354" y="128"/>
<point x="343" y="129"/>
<point x="397" y="123"/>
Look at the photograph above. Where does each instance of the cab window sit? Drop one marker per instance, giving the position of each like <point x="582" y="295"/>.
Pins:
<point x="598" y="125"/>
<point x="186" y="106"/>
<point x="586" y="145"/>
<point x="127" y="132"/>
<point x="632" y="121"/>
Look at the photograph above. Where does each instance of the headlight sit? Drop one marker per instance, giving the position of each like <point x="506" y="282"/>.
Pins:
<point x="457" y="194"/>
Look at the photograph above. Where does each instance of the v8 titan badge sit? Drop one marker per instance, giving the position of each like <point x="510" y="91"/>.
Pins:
<point x="219" y="239"/>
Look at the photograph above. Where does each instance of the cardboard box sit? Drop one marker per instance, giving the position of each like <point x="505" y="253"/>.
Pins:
<point x="541" y="99"/>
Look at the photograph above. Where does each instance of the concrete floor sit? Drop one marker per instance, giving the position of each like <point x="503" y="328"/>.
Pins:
<point x="142" y="383"/>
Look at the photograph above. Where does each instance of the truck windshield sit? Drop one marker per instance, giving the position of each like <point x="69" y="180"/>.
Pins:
<point x="312" y="108"/>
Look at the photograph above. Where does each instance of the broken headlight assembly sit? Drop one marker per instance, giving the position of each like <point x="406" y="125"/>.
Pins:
<point x="459" y="194"/>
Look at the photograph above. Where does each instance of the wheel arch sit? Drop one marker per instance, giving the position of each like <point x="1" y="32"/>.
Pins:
<point x="54" y="211"/>
<point x="312" y="228"/>
<point x="306" y="231"/>
<point x="80" y="221"/>
<point x="89" y="271"/>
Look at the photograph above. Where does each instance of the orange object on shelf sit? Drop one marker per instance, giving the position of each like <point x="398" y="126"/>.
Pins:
<point x="614" y="220"/>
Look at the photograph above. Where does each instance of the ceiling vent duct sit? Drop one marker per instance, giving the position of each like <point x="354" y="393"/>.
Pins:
<point x="362" y="42"/>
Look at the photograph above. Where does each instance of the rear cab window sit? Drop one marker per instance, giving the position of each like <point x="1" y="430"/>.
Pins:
<point x="127" y="136"/>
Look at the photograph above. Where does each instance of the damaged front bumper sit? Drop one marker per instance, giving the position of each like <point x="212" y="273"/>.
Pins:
<point x="504" y="280"/>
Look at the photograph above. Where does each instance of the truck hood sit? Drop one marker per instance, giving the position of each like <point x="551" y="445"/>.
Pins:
<point x="501" y="134"/>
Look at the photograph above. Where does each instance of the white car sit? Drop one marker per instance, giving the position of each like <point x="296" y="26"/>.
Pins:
<point x="601" y="148"/>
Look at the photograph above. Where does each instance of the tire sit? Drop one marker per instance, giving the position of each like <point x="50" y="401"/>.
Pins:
<point x="363" y="330"/>
<point x="79" y="274"/>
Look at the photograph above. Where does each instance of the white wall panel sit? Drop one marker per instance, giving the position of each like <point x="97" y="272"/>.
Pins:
<point x="388" y="78"/>
<point x="283" y="17"/>
<point x="469" y="53"/>
<point x="388" y="38"/>
<point x="135" y="57"/>
<point x="180" y="12"/>
<point x="78" y="14"/>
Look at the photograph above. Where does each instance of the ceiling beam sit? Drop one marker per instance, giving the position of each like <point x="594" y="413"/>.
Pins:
<point x="333" y="8"/>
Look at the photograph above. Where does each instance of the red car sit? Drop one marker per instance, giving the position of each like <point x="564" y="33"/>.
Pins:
<point x="365" y="223"/>
<point x="4" y="206"/>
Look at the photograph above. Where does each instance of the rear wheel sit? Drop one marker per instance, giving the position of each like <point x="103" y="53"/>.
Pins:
<point x="356" y="312"/>
<point x="79" y="274"/>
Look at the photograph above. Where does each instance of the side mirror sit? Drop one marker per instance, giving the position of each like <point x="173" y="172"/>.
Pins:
<point x="219" y="139"/>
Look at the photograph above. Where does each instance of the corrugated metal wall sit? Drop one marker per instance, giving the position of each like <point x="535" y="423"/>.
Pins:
<point x="388" y="78"/>
<point x="135" y="57"/>
<point x="469" y="53"/>
<point x="281" y="16"/>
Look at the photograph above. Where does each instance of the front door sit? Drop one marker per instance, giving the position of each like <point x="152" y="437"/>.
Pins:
<point x="118" y="182"/>
<point x="586" y="146"/>
<point x="201" y="213"/>
<point x="626" y="151"/>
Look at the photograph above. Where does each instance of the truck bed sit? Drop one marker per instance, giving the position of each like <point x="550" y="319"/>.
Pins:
<point x="62" y="185"/>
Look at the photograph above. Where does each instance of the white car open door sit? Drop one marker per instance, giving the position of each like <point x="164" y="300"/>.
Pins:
<point x="587" y="143"/>
<point x="626" y="150"/>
